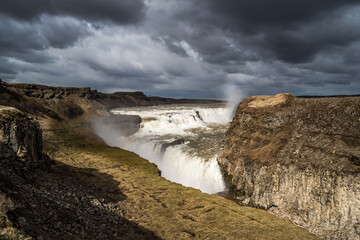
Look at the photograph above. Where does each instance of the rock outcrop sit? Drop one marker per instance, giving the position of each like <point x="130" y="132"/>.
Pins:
<point x="300" y="159"/>
<point x="49" y="200"/>
<point x="20" y="139"/>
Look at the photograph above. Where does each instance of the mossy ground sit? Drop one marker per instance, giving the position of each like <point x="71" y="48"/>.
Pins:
<point x="168" y="209"/>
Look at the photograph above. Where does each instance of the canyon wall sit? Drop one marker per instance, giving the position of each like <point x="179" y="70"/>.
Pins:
<point x="298" y="158"/>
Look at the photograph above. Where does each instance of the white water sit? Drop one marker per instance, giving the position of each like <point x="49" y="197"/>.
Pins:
<point x="192" y="167"/>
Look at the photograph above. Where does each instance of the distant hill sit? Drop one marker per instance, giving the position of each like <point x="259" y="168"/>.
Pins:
<point x="64" y="103"/>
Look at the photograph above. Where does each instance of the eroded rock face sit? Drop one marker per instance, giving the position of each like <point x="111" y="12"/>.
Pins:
<point x="20" y="138"/>
<point x="298" y="158"/>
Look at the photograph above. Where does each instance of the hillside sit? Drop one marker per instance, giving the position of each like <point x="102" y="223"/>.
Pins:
<point x="67" y="103"/>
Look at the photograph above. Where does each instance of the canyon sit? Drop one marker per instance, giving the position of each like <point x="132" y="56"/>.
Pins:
<point x="297" y="158"/>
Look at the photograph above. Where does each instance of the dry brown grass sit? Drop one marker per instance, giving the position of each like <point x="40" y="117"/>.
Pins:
<point x="6" y="204"/>
<point x="267" y="101"/>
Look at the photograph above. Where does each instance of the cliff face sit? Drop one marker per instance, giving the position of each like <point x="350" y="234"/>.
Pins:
<point x="20" y="139"/>
<point x="298" y="158"/>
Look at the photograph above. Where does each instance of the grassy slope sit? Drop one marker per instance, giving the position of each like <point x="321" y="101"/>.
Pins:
<point x="168" y="209"/>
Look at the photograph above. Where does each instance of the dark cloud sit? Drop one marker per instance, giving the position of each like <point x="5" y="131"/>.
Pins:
<point x="302" y="44"/>
<point x="6" y="68"/>
<point x="28" y="41"/>
<point x="253" y="15"/>
<point x="351" y="55"/>
<point x="127" y="74"/>
<point x="184" y="48"/>
<point x="17" y="37"/>
<point x="63" y="32"/>
<point x="28" y="29"/>
<point x="120" y="12"/>
<point x="291" y="31"/>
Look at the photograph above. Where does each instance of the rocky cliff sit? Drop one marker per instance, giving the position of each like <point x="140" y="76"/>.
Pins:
<point x="300" y="159"/>
<point x="20" y="153"/>
<point x="20" y="139"/>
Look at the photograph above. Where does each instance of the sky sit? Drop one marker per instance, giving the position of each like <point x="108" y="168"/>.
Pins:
<point x="184" y="48"/>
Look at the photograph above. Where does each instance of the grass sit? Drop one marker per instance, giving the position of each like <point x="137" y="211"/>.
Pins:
<point x="166" y="208"/>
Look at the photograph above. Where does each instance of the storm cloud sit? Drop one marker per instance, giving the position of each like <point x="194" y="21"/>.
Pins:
<point x="184" y="48"/>
<point x="120" y="12"/>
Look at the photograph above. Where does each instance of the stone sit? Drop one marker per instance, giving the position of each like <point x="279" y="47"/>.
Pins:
<point x="22" y="152"/>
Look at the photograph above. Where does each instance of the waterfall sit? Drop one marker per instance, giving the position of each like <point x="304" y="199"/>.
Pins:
<point x="182" y="140"/>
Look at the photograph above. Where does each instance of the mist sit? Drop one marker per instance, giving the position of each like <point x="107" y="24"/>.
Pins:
<point x="233" y="96"/>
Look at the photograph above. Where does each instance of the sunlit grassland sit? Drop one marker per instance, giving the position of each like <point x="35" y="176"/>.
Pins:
<point x="170" y="210"/>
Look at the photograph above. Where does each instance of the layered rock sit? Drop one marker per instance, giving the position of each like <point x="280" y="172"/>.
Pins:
<point x="300" y="159"/>
<point x="20" y="139"/>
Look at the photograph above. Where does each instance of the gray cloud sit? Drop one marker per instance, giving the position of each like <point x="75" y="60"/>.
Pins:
<point x="185" y="48"/>
<point x="27" y="41"/>
<point x="120" y="12"/>
<point x="63" y="32"/>
<point x="291" y="31"/>
<point x="251" y="16"/>
<point x="297" y="36"/>
<point x="29" y="30"/>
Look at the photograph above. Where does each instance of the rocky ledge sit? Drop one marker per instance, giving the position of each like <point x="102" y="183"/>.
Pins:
<point x="298" y="158"/>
